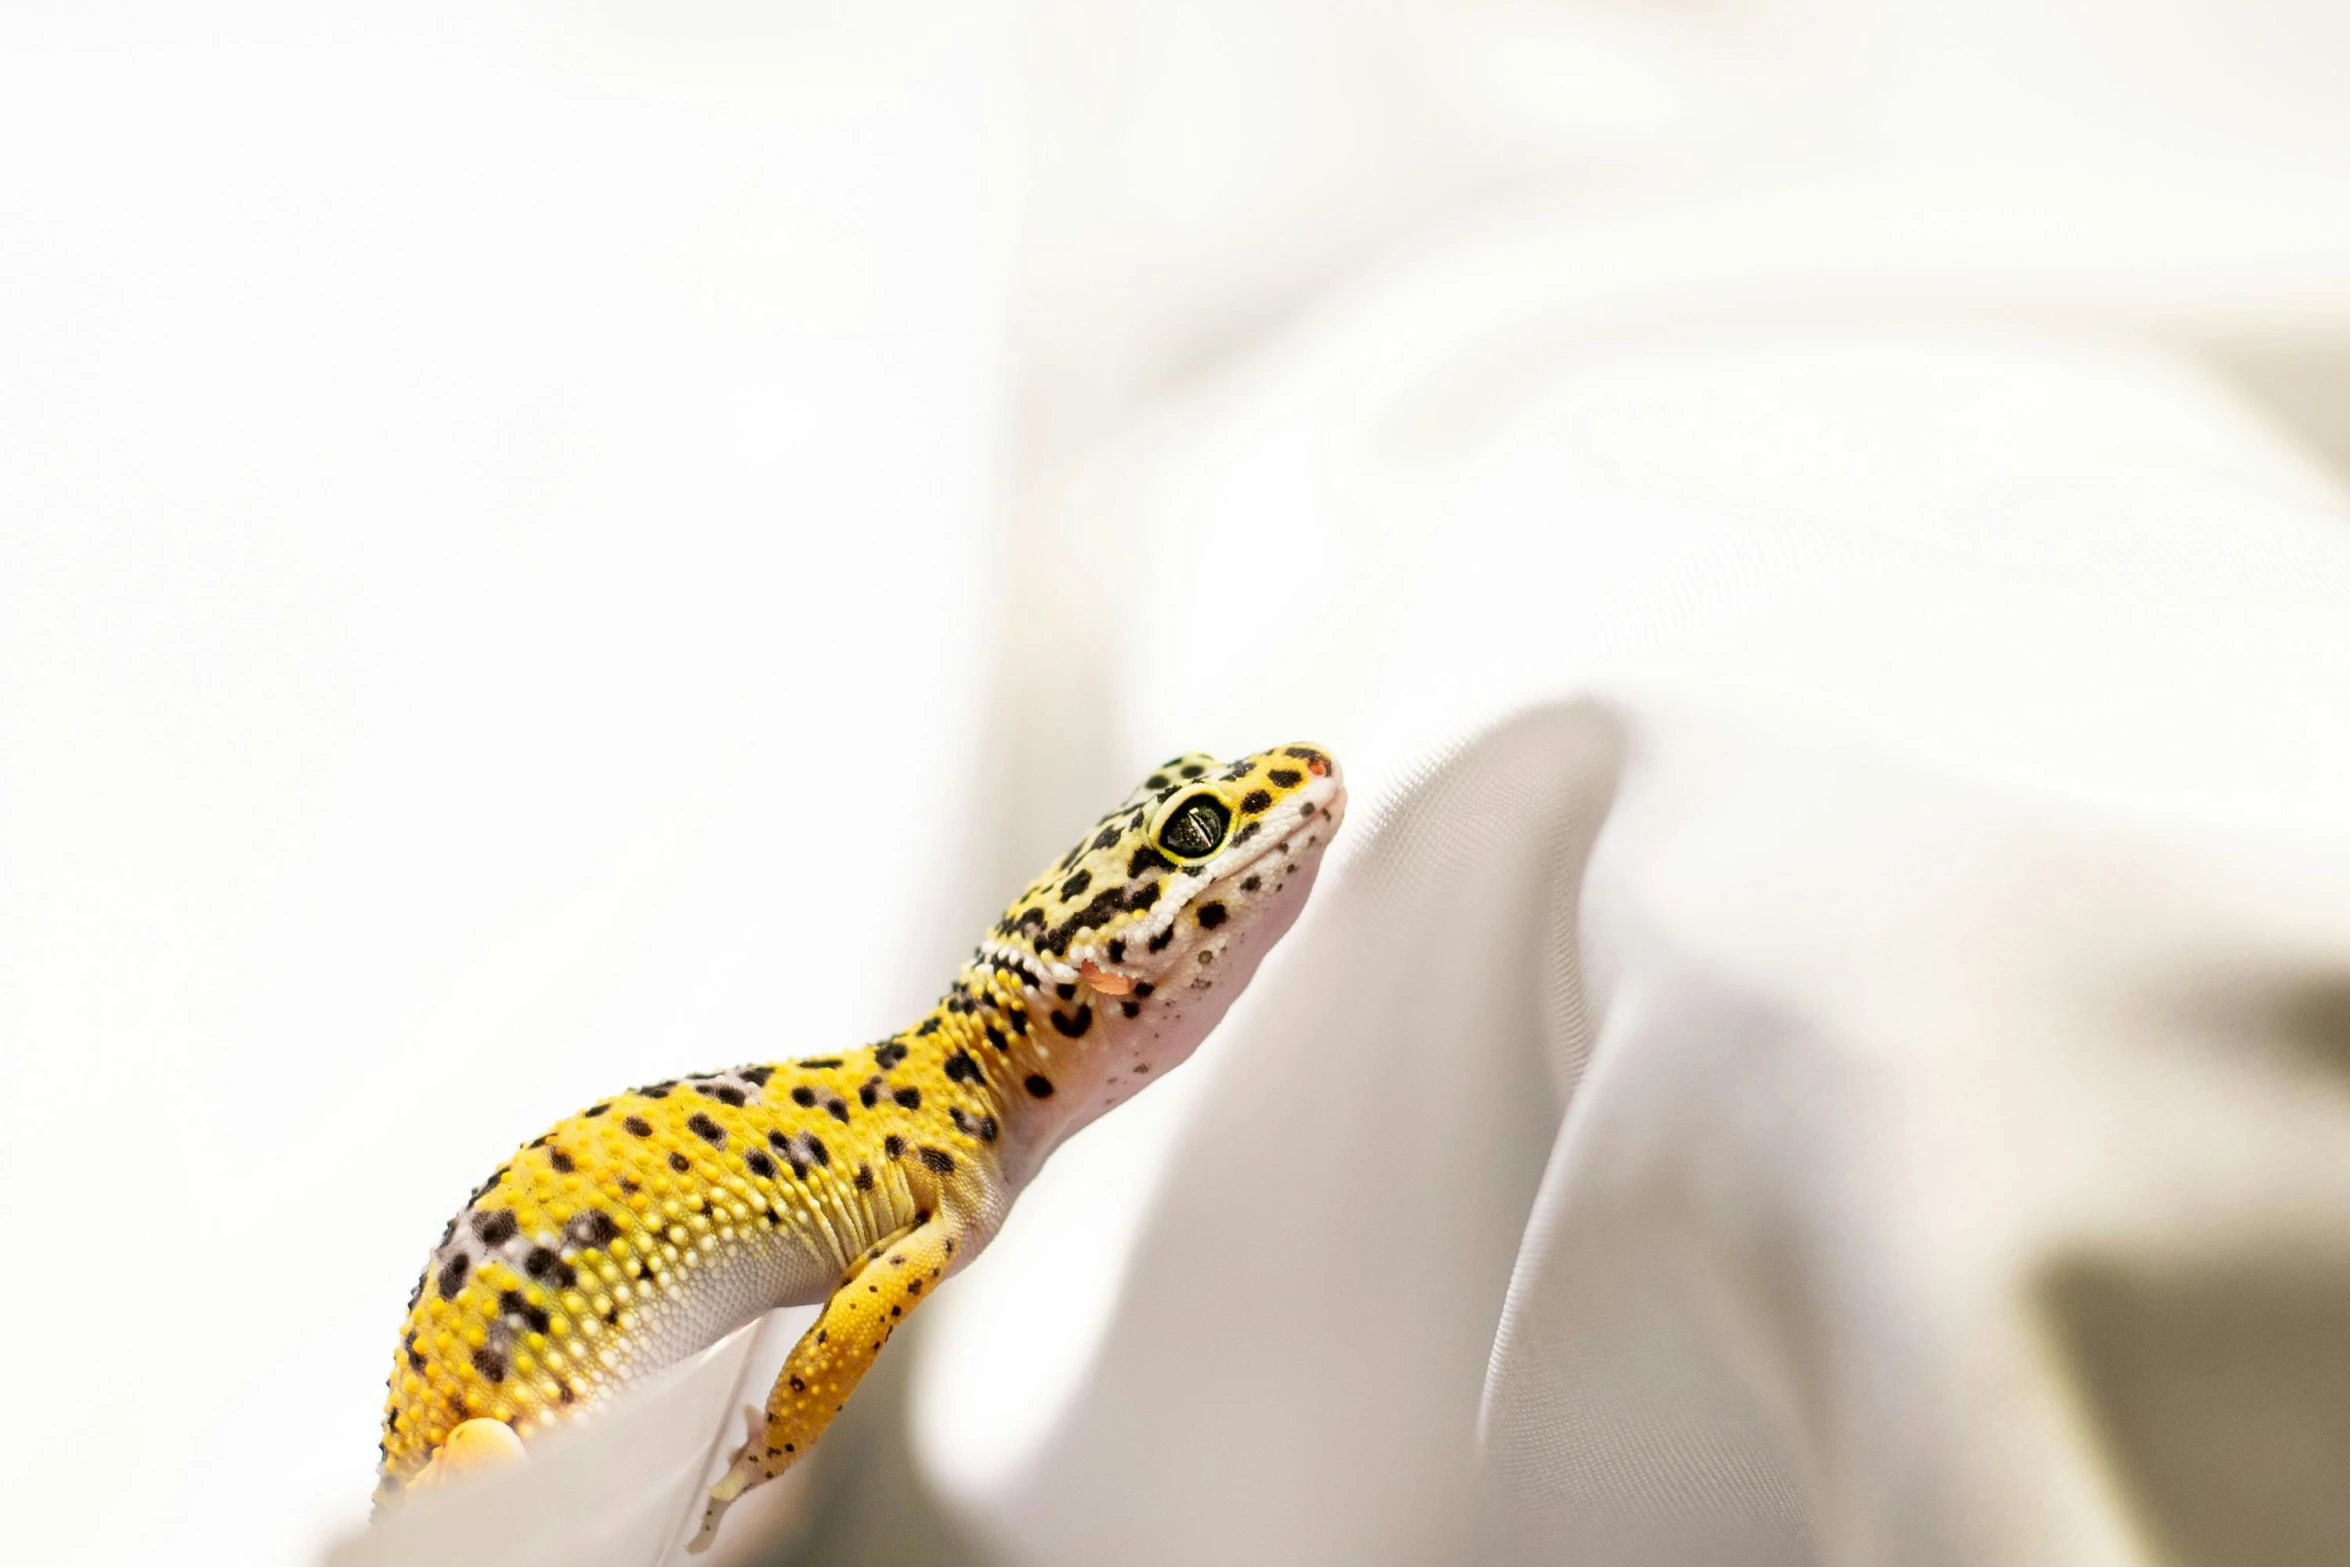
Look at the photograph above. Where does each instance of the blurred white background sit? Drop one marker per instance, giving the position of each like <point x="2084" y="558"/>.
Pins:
<point x="497" y="518"/>
<point x="542" y="546"/>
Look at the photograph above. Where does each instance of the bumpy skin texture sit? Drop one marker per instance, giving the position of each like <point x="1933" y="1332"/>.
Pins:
<point x="653" y="1223"/>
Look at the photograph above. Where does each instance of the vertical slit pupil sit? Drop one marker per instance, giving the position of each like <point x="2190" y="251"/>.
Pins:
<point x="1195" y="830"/>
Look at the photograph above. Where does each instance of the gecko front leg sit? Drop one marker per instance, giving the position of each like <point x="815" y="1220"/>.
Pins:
<point x="825" y="1366"/>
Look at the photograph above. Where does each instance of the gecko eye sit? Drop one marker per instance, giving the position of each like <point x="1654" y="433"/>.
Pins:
<point x="1196" y="828"/>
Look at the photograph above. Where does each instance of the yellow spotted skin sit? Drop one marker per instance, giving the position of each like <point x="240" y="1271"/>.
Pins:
<point x="654" y="1222"/>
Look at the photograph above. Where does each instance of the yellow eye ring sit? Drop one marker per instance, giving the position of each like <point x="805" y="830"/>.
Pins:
<point x="1193" y="827"/>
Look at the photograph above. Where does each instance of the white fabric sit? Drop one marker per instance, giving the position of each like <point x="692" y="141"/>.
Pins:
<point x="1919" y="1065"/>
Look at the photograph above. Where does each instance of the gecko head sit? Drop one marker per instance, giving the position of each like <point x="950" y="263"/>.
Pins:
<point x="1155" y="920"/>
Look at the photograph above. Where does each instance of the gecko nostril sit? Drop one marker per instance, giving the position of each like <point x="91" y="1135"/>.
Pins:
<point x="1318" y="767"/>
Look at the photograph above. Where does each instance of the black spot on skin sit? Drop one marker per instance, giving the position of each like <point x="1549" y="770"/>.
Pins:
<point x="564" y="1393"/>
<point x="539" y="1262"/>
<point x="1143" y="988"/>
<point x="960" y="1068"/>
<point x="1146" y="860"/>
<point x="1141" y="1067"/>
<point x="452" y="1277"/>
<point x="592" y="1228"/>
<point x="566" y="1275"/>
<point x="490" y="1364"/>
<point x="864" y="1177"/>
<point x="893" y="1146"/>
<point x="1210" y="915"/>
<point x="707" y="1130"/>
<point x="756" y="1076"/>
<point x="929" y="1026"/>
<point x="638" y="1126"/>
<point x="995" y="1037"/>
<point x="1073" y="1027"/>
<point x="1143" y="897"/>
<point x="1254" y="801"/>
<point x="759" y="1165"/>
<point x="656" y="1090"/>
<point x="1105" y="906"/>
<point x="592" y="1111"/>
<point x="1157" y="781"/>
<point x="1159" y="942"/>
<point x="415" y="1361"/>
<point x="869" y="1093"/>
<point x="1192" y="769"/>
<point x="1116" y="950"/>
<point x="1252" y="884"/>
<point x="936" y="1160"/>
<point x="1065" y="992"/>
<point x="1130" y="1008"/>
<point x="511" y="1304"/>
<point x="815" y="1147"/>
<point x="561" y="1161"/>
<point x="804" y="1097"/>
<point x="680" y="1163"/>
<point x="889" y="1055"/>
<point x="1285" y="778"/>
<point x="821" y="1063"/>
<point x="495" y="1227"/>
<point x="1038" y="1085"/>
<point x="1207" y="956"/>
<point x="1075" y="886"/>
<point x="724" y="1093"/>
<point x="1106" y="837"/>
<point x="837" y="1110"/>
<point x="908" y="1098"/>
<point x="1246" y="833"/>
<point x="1306" y="754"/>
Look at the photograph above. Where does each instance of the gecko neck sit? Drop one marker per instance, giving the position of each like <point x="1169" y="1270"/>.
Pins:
<point x="1034" y="1065"/>
<point x="1049" y="1056"/>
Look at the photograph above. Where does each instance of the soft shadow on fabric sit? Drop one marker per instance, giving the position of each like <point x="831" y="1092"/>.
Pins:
<point x="2312" y="1021"/>
<point x="2220" y="1395"/>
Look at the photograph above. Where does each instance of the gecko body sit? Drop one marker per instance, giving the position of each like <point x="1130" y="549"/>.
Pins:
<point x="658" y="1220"/>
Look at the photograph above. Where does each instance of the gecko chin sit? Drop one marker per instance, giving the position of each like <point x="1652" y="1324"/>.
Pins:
<point x="1246" y="841"/>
